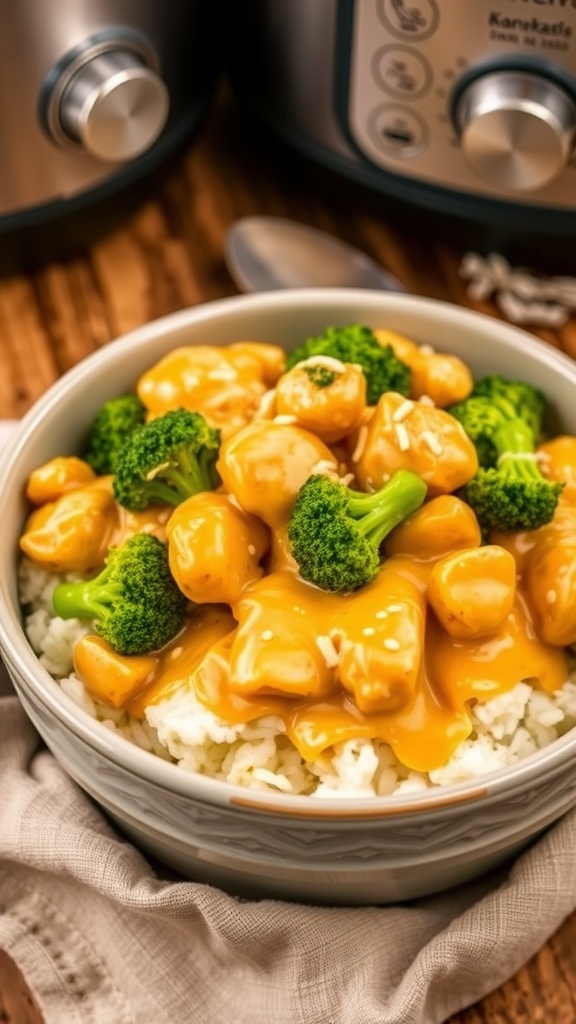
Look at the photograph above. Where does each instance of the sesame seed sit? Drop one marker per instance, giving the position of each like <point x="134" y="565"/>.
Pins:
<point x="402" y="437"/>
<point x="327" y="650"/>
<point x="267" y="634"/>
<point x="402" y="411"/>
<point x="382" y="614"/>
<point x="432" y="442"/>
<point x="395" y="608"/>
<point x="360" y="444"/>
<point x="426" y="400"/>
<point x="391" y="644"/>
<point x="176" y="652"/>
<point x="551" y="597"/>
<point x="251" y="550"/>
<point x="225" y="373"/>
<point x="368" y="631"/>
<point x="285" y="420"/>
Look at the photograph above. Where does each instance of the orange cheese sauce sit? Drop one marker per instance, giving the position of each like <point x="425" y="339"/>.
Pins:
<point x="75" y="532"/>
<point x="272" y="657"/>
<point x="399" y="661"/>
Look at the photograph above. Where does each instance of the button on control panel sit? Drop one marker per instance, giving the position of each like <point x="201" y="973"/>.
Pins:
<point x="409" y="19"/>
<point x="401" y="71"/>
<point x="446" y="93"/>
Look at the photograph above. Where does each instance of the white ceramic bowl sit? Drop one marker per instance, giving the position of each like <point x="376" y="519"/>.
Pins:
<point x="370" y="850"/>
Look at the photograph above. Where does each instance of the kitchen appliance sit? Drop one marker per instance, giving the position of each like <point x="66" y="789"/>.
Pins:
<point x="93" y="95"/>
<point x="462" y="107"/>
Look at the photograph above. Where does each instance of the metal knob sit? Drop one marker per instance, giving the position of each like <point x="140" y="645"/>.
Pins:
<point x="114" y="105"/>
<point x="517" y="129"/>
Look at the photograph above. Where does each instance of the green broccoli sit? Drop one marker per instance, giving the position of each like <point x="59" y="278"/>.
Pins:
<point x="503" y="419"/>
<point x="320" y="376"/>
<point x="112" y="425"/>
<point x="134" y="602"/>
<point x="358" y="344"/>
<point x="528" y="401"/>
<point x="166" y="461"/>
<point x="336" y="532"/>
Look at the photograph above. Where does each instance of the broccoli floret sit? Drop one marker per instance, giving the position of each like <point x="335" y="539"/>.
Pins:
<point x="336" y="532"/>
<point x="134" y="603"/>
<point x="358" y="344"/>
<point x="480" y="420"/>
<point x="166" y="461"/>
<point x="112" y="425"/>
<point x="529" y="403"/>
<point x="320" y="376"/>
<point x="503" y="419"/>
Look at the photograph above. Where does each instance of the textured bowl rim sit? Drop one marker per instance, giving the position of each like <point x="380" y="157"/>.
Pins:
<point x="22" y="662"/>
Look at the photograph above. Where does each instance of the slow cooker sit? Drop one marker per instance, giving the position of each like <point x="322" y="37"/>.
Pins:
<point x="464" y="107"/>
<point x="93" y="95"/>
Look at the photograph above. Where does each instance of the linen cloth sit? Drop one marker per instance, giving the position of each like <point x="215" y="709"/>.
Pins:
<point x="103" y="936"/>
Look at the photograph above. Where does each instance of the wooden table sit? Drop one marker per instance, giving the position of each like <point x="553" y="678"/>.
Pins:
<point x="167" y="254"/>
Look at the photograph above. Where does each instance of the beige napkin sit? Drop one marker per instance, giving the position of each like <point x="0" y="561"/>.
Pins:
<point x="104" y="937"/>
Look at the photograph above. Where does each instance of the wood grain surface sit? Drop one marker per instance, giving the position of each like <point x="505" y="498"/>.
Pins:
<point x="166" y="253"/>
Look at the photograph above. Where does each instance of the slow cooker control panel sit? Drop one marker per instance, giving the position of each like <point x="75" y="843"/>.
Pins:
<point x="465" y="95"/>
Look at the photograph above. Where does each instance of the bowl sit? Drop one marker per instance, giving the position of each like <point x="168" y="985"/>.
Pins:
<point x="338" y="850"/>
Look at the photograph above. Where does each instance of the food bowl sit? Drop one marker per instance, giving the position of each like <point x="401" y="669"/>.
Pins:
<point x="338" y="850"/>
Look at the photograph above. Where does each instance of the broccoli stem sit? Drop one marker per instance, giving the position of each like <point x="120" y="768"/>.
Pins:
<point x="514" y="442"/>
<point x="186" y="476"/>
<point x="380" y="512"/>
<point x="88" y="599"/>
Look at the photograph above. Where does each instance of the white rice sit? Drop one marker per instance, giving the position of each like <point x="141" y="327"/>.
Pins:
<point x="259" y="755"/>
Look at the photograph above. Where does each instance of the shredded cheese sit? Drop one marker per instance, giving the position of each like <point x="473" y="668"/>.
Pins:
<point x="524" y="456"/>
<point x="324" y="468"/>
<point x="360" y="444"/>
<point x="327" y="649"/>
<point x="402" y="411"/>
<point x="266" y="406"/>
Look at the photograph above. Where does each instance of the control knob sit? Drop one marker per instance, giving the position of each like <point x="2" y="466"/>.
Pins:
<point x="517" y="129"/>
<point x="113" y="105"/>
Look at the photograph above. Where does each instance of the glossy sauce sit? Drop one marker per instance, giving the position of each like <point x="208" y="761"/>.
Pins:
<point x="75" y="532"/>
<point x="271" y="664"/>
<point x="375" y="664"/>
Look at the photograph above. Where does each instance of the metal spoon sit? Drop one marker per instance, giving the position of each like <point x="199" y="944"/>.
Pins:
<point x="266" y="253"/>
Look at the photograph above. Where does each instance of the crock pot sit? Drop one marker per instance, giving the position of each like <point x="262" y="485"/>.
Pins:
<point x="93" y="95"/>
<point x="465" y="108"/>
